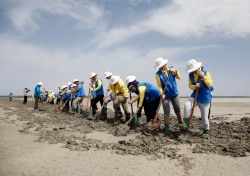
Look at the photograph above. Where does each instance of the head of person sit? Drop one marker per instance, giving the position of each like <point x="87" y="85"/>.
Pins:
<point x="69" y="84"/>
<point x="64" y="87"/>
<point x="40" y="84"/>
<point x="93" y="77"/>
<point x="76" y="81"/>
<point x="108" y="75"/>
<point x="132" y="84"/>
<point x="193" y="66"/>
<point x="114" y="79"/>
<point x="161" y="64"/>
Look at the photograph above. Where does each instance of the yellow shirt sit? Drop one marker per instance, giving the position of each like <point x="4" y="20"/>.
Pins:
<point x="51" y="95"/>
<point x="166" y="72"/>
<point x="141" y="95"/>
<point x="99" y="83"/>
<point x="207" y="80"/>
<point x="120" y="88"/>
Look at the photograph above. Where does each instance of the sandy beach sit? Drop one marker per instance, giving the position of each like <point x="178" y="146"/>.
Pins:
<point x="50" y="143"/>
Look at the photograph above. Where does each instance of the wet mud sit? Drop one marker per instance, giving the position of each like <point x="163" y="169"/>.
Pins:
<point x="225" y="138"/>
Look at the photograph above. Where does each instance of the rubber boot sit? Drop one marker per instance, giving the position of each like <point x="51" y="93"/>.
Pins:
<point x="166" y="129"/>
<point x="138" y="121"/>
<point x="205" y="134"/>
<point x="187" y="121"/>
<point x="103" y="115"/>
<point x="118" y="113"/>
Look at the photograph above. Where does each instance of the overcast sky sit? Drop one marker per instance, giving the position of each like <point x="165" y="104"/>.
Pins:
<point x="57" y="41"/>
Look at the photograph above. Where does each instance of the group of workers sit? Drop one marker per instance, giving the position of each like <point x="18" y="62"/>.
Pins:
<point x="149" y="97"/>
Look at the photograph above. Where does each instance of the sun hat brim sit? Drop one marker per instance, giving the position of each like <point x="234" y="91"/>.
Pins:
<point x="198" y="65"/>
<point x="164" y="62"/>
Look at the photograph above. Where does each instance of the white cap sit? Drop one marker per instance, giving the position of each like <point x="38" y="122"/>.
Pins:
<point x="69" y="83"/>
<point x="130" y="78"/>
<point x="159" y="62"/>
<point x="192" y="65"/>
<point x="107" y="74"/>
<point x="92" y="74"/>
<point x="40" y="83"/>
<point x="73" y="85"/>
<point x="114" y="79"/>
<point x="75" y="80"/>
<point x="64" y="86"/>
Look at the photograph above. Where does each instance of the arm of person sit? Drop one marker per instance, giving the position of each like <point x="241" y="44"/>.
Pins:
<point x="177" y="74"/>
<point x="208" y="80"/>
<point x="190" y="85"/>
<point x="159" y="85"/>
<point x="141" y="95"/>
<point x="99" y="85"/>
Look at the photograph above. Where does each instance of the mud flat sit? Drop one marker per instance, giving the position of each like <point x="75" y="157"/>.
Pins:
<point x="50" y="143"/>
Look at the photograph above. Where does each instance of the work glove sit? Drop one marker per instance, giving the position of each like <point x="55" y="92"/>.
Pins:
<point x="201" y="73"/>
<point x="91" y="89"/>
<point x="130" y="102"/>
<point x="162" y="96"/>
<point x="198" y="85"/>
<point x="172" y="70"/>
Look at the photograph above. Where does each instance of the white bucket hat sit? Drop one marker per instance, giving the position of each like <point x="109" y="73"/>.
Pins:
<point x="114" y="79"/>
<point x="193" y="65"/>
<point x="159" y="62"/>
<point x="130" y="78"/>
<point x="73" y="85"/>
<point x="40" y="83"/>
<point x="64" y="86"/>
<point x="107" y="74"/>
<point x="75" y="80"/>
<point x="92" y="74"/>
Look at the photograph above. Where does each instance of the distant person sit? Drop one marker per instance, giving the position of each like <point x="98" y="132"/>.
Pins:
<point x="200" y="82"/>
<point x="37" y="94"/>
<point x="80" y="94"/>
<point x="25" y="97"/>
<point x="96" y="87"/>
<point x="166" y="82"/>
<point x="10" y="96"/>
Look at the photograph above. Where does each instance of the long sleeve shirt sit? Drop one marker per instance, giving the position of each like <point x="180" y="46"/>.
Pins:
<point x="141" y="95"/>
<point x="120" y="88"/>
<point x="207" y="80"/>
<point x="166" y="72"/>
<point x="99" y="83"/>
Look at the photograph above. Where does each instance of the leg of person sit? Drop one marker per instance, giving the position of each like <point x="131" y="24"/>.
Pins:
<point x="26" y="98"/>
<point x="177" y="108"/>
<point x="123" y="101"/>
<point x="100" y="97"/>
<point x="36" y="103"/>
<point x="187" y="110"/>
<point x="94" y="106"/>
<point x="166" y="109"/>
<point x="70" y="107"/>
<point x="151" y="108"/>
<point x="116" y="105"/>
<point x="204" y="108"/>
<point x="75" y="103"/>
<point x="81" y="105"/>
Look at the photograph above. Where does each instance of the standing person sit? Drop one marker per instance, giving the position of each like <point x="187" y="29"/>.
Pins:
<point x="148" y="96"/>
<point x="37" y="94"/>
<point x="79" y="91"/>
<point x="200" y="82"/>
<point x="166" y="82"/>
<point x="97" y="88"/>
<point x="10" y="96"/>
<point x="120" y="97"/>
<point x="25" y="97"/>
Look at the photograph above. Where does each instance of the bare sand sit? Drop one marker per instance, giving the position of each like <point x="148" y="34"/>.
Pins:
<point x="49" y="143"/>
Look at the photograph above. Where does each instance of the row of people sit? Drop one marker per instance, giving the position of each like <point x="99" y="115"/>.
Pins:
<point x="150" y="97"/>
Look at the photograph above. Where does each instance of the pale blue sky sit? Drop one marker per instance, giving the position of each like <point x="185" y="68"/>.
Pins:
<point x="57" y="41"/>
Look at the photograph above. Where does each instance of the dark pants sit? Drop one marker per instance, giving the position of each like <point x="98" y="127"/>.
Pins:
<point x="36" y="102"/>
<point x="25" y="99"/>
<point x="94" y="102"/>
<point x="150" y="108"/>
